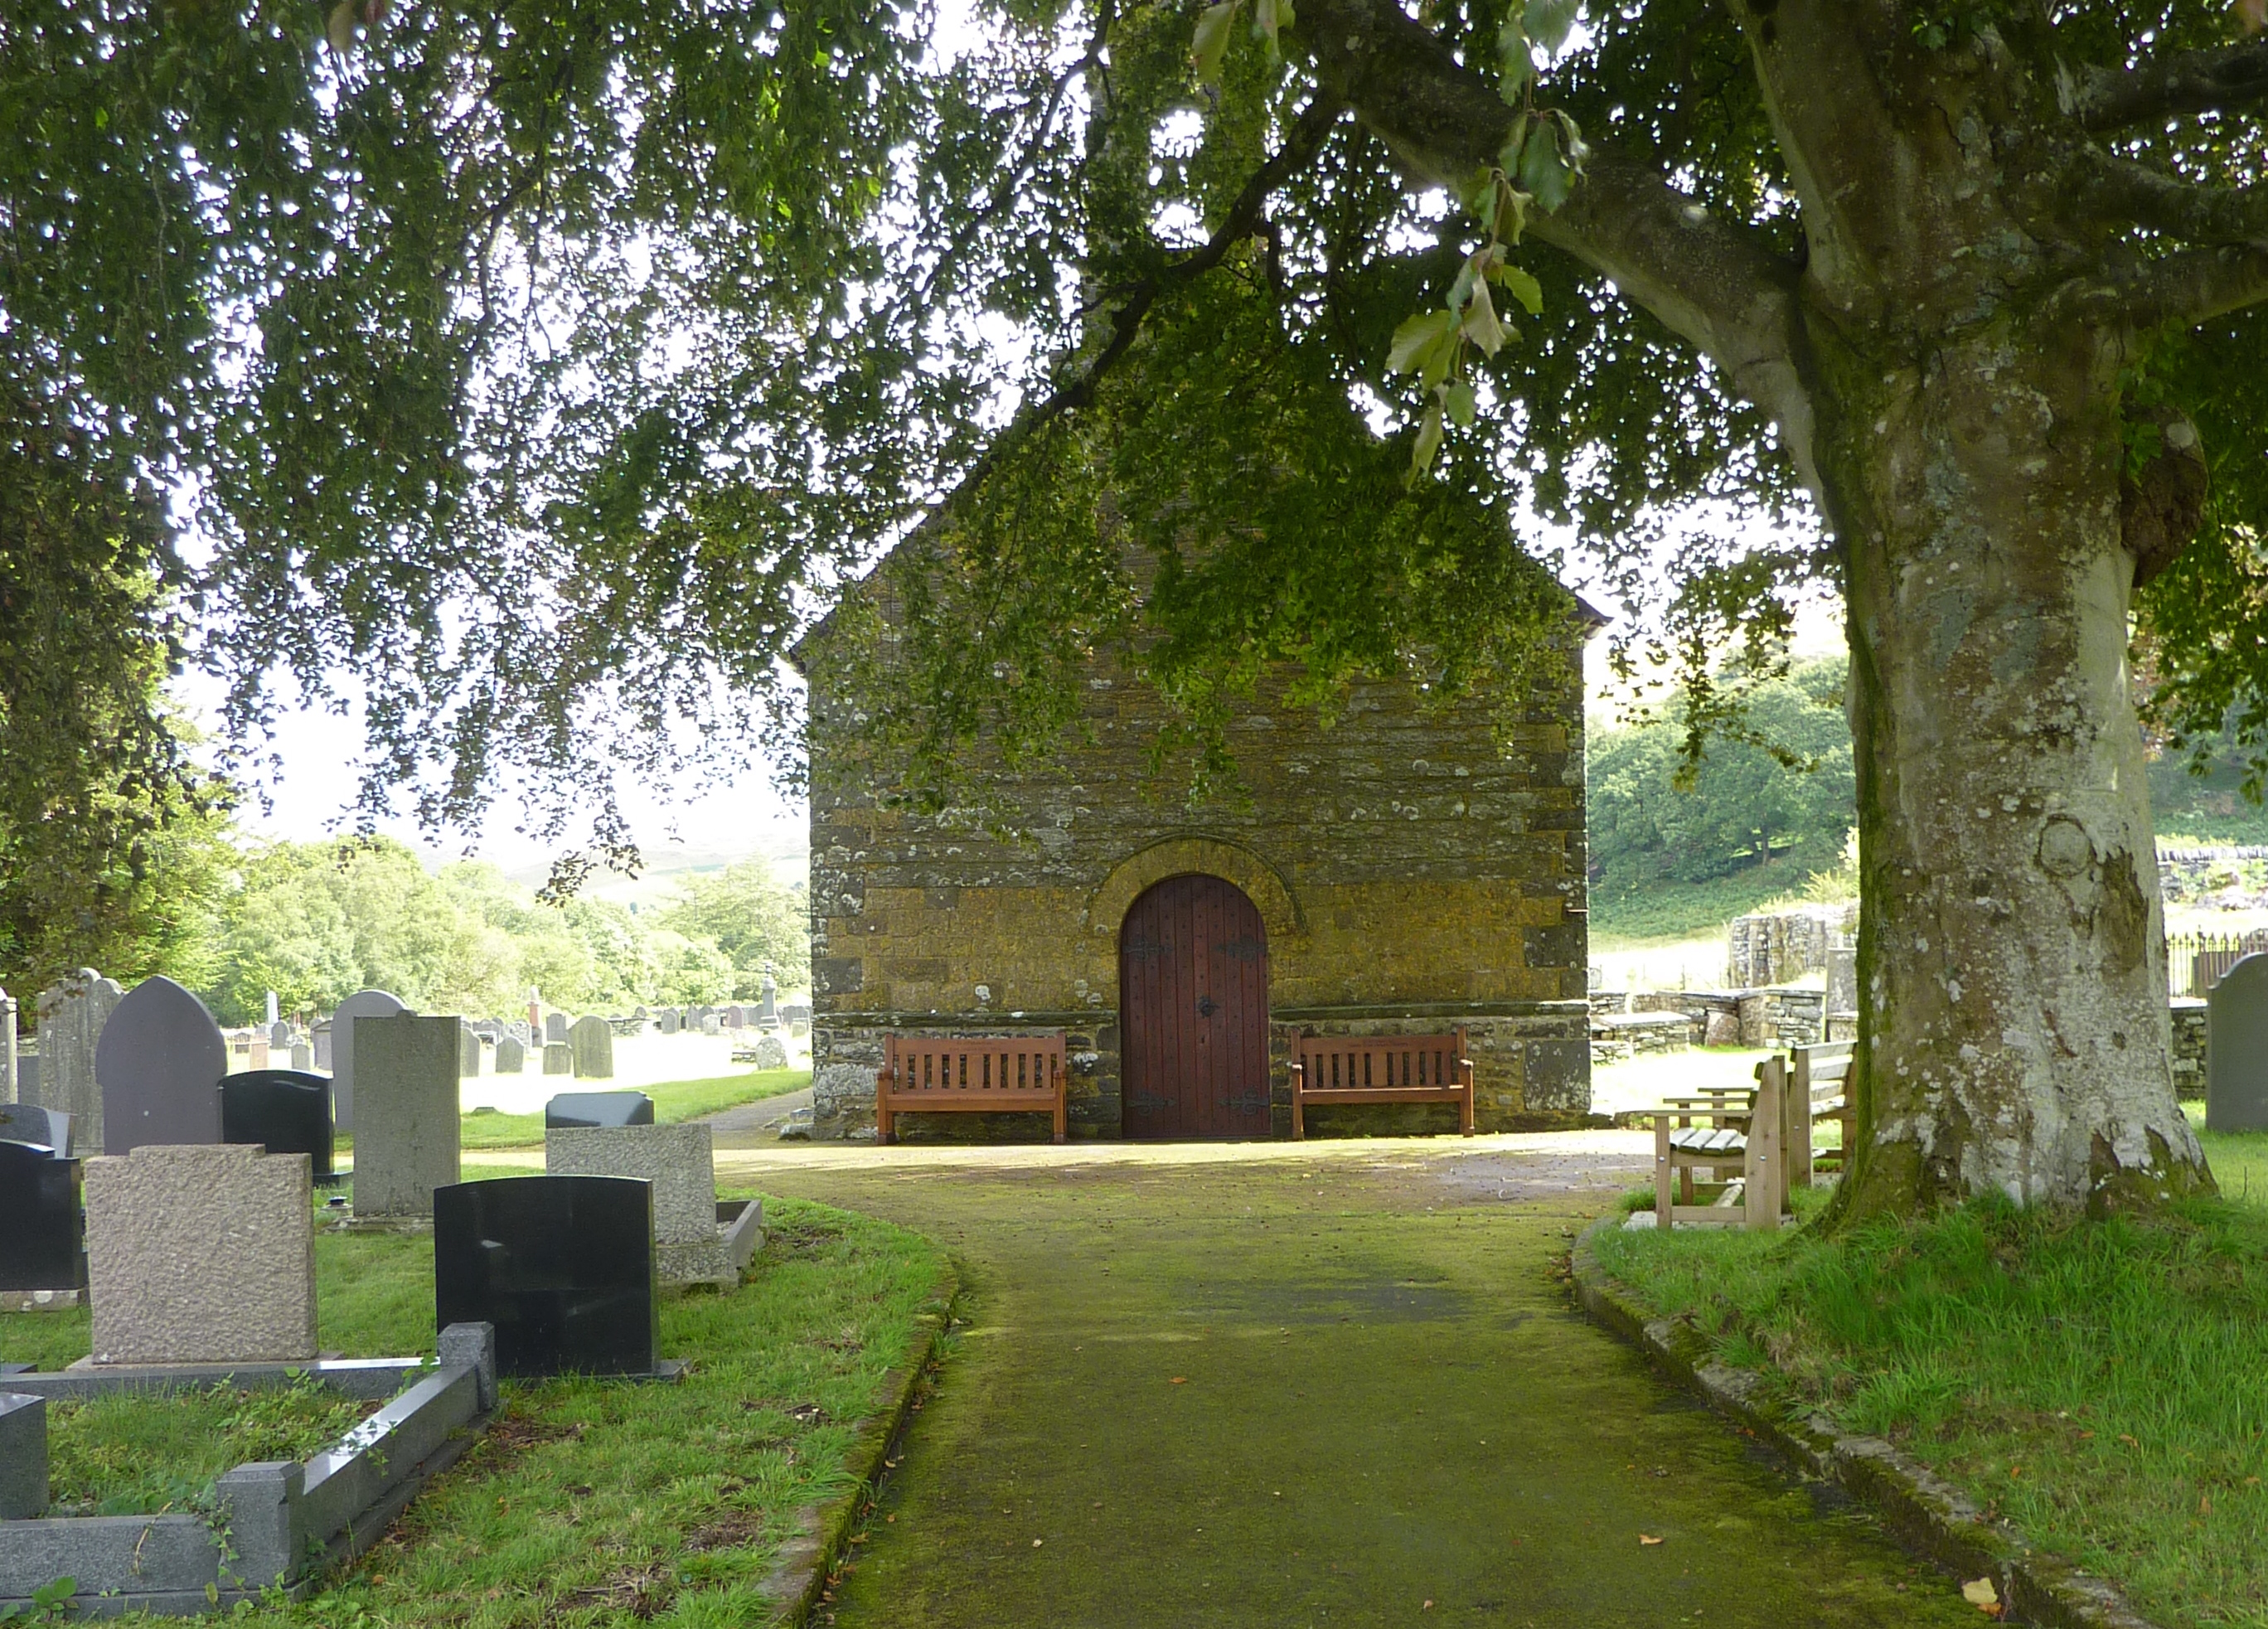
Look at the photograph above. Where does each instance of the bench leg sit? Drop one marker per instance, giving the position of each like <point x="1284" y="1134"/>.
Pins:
<point x="1664" y="1198"/>
<point x="1298" y="1123"/>
<point x="1465" y="1109"/>
<point x="884" y="1131"/>
<point x="1063" y="1116"/>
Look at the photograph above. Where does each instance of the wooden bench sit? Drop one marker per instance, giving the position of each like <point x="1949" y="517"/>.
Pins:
<point x="1822" y="1081"/>
<point x="1017" y="1074"/>
<point x="1381" y="1069"/>
<point x="1749" y="1136"/>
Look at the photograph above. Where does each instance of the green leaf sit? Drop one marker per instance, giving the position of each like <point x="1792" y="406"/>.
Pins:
<point x="1269" y="18"/>
<point x="1210" y="41"/>
<point x="1577" y="150"/>
<point x="1512" y="206"/>
<point x="1543" y="171"/>
<point x="1507" y="158"/>
<point x="1415" y="340"/>
<point x="1480" y="324"/>
<point x="1517" y="67"/>
<point x="341" y="29"/>
<point x="1457" y="396"/>
<point x="1524" y="288"/>
<point x="1429" y="442"/>
<point x="1550" y="21"/>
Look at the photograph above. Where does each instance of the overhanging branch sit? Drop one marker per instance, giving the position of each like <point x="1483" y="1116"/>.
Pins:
<point x="2120" y="192"/>
<point x="2199" y="283"/>
<point x="2185" y="82"/>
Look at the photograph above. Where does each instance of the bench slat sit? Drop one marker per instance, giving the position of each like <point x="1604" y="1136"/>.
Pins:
<point x="1381" y="1069"/>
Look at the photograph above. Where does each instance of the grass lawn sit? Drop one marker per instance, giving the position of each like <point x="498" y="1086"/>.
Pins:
<point x="127" y="1455"/>
<point x="2099" y="1384"/>
<point x="591" y="1503"/>
<point x="674" y="1101"/>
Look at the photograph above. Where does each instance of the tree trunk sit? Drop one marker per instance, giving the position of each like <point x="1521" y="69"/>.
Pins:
<point x="2012" y="1027"/>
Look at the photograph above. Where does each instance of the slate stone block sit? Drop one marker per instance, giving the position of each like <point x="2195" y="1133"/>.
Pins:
<point x="584" y="1109"/>
<point x="42" y="1229"/>
<point x="201" y="1254"/>
<point x="283" y="1110"/>
<point x="159" y="1062"/>
<point x="562" y="1266"/>
<point x="46" y="1128"/>
<point x="408" y="1142"/>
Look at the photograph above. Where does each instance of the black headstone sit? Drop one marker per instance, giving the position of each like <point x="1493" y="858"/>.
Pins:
<point x="28" y="1123"/>
<point x="42" y="1234"/>
<point x="564" y="1266"/>
<point x="585" y="1109"/>
<point x="287" y="1111"/>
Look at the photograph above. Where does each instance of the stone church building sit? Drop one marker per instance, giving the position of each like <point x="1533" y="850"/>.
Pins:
<point x="1406" y="870"/>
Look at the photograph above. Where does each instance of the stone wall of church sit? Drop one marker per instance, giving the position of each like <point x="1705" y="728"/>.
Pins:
<point x="1419" y="867"/>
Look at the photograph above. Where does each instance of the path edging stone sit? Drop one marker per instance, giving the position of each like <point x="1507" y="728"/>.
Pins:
<point x="1924" y="1510"/>
<point x="800" y="1576"/>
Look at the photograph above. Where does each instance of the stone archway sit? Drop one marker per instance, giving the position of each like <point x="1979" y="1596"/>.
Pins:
<point x="1261" y="882"/>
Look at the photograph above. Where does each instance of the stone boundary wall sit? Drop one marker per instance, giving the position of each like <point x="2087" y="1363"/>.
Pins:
<point x="1767" y="1017"/>
<point x="1778" y="948"/>
<point x="2189" y="1046"/>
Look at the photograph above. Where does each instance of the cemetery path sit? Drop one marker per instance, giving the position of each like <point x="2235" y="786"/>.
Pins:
<point x="1314" y="1383"/>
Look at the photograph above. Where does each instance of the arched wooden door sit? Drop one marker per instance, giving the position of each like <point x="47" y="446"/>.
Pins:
<point x="1193" y="1012"/>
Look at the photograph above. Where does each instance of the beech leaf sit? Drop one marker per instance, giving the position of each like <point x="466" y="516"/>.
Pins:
<point x="1429" y="442"/>
<point x="1522" y="286"/>
<point x="1550" y="21"/>
<point x="1480" y="324"/>
<point x="1414" y="339"/>
<point x="1457" y="397"/>
<point x="1210" y="43"/>
<point x="1542" y="171"/>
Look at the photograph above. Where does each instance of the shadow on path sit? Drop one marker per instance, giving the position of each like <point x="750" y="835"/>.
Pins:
<point x="1322" y="1387"/>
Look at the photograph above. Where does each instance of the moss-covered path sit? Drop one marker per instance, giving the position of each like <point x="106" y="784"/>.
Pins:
<point x="1321" y="1384"/>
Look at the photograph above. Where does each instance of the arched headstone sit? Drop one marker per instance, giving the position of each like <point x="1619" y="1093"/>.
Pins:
<point x="160" y="1062"/>
<point x="362" y="1004"/>
<point x="72" y="1013"/>
<point x="2236" y="1049"/>
<point x="593" y="1041"/>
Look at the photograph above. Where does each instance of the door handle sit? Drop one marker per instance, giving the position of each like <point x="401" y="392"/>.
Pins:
<point x="1205" y="1006"/>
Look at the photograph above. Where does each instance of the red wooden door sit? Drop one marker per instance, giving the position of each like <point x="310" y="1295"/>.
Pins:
<point x="1193" y="1012"/>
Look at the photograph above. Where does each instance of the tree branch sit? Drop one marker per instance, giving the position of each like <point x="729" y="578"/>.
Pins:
<point x="1715" y="283"/>
<point x="2187" y="82"/>
<point x="2120" y="192"/>
<point x="2199" y="283"/>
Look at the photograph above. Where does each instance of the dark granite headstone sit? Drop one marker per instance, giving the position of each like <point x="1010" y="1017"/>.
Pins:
<point x="2236" y="1049"/>
<point x="28" y="1122"/>
<point x="285" y="1110"/>
<point x="564" y="1266"/>
<point x="159" y="1062"/>
<point x="580" y="1108"/>
<point x="42" y="1232"/>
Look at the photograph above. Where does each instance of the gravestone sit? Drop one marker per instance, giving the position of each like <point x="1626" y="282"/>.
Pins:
<point x="23" y="1455"/>
<point x="555" y="1029"/>
<point x="558" y="1058"/>
<point x="772" y="1052"/>
<point x="42" y="1241"/>
<point x="668" y="1023"/>
<point x="283" y="1111"/>
<point x="322" y="1044"/>
<point x="408" y="1142"/>
<point x="767" y="1011"/>
<point x="598" y="1108"/>
<point x="736" y="1018"/>
<point x="469" y="1051"/>
<point x="799" y="1028"/>
<point x="2236" y="1049"/>
<point x="200" y="1256"/>
<point x="511" y="1056"/>
<point x="712" y="1025"/>
<point x="72" y="1014"/>
<point x="8" y="1049"/>
<point x="593" y="1044"/>
<point x="521" y="1031"/>
<point x="259" y="1053"/>
<point x="279" y="1033"/>
<point x="680" y="1162"/>
<point x="361" y="1005"/>
<point x="160" y="1060"/>
<point x="27" y="1073"/>
<point x="44" y="1128"/>
<point x="1842" y="978"/>
<point x="796" y="1013"/>
<point x="562" y="1266"/>
<point x="302" y="1057"/>
<point x="273" y="1013"/>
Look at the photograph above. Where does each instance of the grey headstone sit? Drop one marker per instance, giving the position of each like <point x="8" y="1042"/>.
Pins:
<point x="772" y="1052"/>
<point x="72" y="1013"/>
<point x="279" y="1033"/>
<point x="769" y="1012"/>
<point x="27" y="1075"/>
<point x="592" y="1042"/>
<point x="408" y="1142"/>
<point x="322" y="1039"/>
<point x="736" y="1018"/>
<point x="555" y="1029"/>
<point x="273" y="1013"/>
<point x="28" y="1123"/>
<point x="1843" y="979"/>
<point x="679" y="1161"/>
<point x="520" y="1030"/>
<point x="511" y="1056"/>
<point x="712" y="1025"/>
<point x="363" y="1004"/>
<point x="558" y="1058"/>
<point x="469" y="1051"/>
<point x="23" y="1456"/>
<point x="160" y="1062"/>
<point x="2236" y="1049"/>
<point x="669" y="1022"/>
<point x="200" y="1256"/>
<point x="303" y="1056"/>
<point x="799" y="1028"/>
<point x="8" y="1049"/>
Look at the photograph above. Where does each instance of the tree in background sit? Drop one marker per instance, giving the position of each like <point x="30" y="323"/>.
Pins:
<point x="689" y="971"/>
<point x="1780" y="794"/>
<point x="746" y="913"/>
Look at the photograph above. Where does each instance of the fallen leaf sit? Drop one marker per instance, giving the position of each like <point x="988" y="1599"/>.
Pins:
<point x="2015" y="1471"/>
<point x="1978" y="1592"/>
<point x="2128" y="1440"/>
<point x="889" y="1518"/>
<point x="1036" y="1543"/>
<point x="1178" y="1380"/>
<point x="2084" y="1435"/>
<point x="1647" y="1538"/>
<point x="1427" y="1607"/>
<point x="2205" y="1505"/>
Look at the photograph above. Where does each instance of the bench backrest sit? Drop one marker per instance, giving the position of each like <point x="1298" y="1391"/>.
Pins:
<point x="1357" y="1063"/>
<point x="995" y="1063"/>
<point x="1825" y="1068"/>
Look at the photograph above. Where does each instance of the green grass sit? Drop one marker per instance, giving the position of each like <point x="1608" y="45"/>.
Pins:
<point x="2099" y="1384"/>
<point x="127" y="1455"/>
<point x="593" y="1503"/>
<point x="674" y="1101"/>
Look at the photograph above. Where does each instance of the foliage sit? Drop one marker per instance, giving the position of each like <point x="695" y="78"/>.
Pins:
<point x="2086" y="1382"/>
<point x="316" y="922"/>
<point x="1653" y="816"/>
<point x="746" y="913"/>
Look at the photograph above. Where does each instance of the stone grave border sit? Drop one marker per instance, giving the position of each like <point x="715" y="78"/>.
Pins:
<point x="1929" y="1515"/>
<point x="284" y="1524"/>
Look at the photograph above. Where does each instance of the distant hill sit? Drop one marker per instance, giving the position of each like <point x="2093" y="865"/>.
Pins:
<point x="785" y="848"/>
